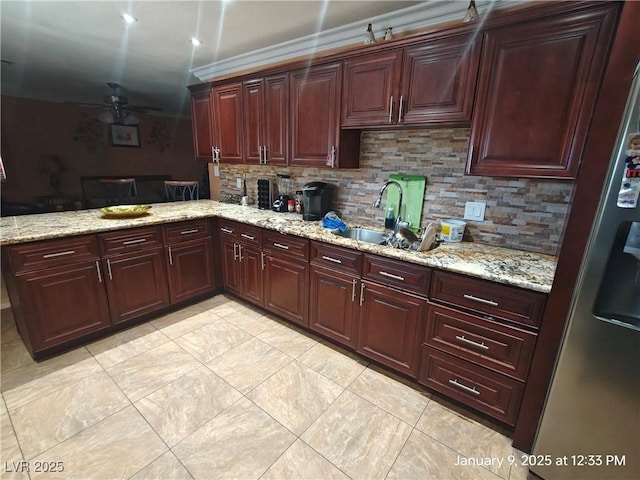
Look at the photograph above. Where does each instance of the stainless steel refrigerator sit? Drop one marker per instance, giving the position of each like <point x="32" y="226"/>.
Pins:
<point x="590" y="427"/>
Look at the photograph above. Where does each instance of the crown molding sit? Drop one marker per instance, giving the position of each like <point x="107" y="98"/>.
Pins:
<point x="407" y="20"/>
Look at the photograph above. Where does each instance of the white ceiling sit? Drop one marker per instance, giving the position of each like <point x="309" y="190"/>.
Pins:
<point x="68" y="50"/>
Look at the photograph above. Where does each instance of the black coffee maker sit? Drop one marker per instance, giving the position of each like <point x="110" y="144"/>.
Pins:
<point x="316" y="200"/>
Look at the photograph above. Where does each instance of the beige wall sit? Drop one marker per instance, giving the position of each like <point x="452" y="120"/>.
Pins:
<point x="34" y="131"/>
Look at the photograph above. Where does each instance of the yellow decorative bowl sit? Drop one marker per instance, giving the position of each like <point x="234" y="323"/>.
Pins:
<point x="125" y="211"/>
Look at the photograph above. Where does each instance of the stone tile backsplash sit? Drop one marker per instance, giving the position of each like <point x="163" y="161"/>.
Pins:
<point x="524" y="214"/>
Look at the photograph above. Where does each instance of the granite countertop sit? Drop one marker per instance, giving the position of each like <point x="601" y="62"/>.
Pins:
<point x="512" y="267"/>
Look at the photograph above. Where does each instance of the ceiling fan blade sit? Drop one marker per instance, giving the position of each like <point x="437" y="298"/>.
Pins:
<point x="140" y="108"/>
<point x="94" y="105"/>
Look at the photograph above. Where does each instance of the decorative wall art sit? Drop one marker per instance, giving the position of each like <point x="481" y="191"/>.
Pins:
<point x="159" y="137"/>
<point x="89" y="132"/>
<point x="124" y="135"/>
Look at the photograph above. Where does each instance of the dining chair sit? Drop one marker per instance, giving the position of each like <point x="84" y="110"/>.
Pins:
<point x="119" y="191"/>
<point x="181" y="190"/>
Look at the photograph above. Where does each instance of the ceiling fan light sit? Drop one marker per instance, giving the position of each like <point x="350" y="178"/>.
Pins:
<point x="128" y="19"/>
<point x="195" y="42"/>
<point x="472" y="13"/>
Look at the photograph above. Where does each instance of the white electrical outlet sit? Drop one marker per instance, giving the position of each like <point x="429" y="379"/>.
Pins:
<point x="239" y="182"/>
<point x="474" y="211"/>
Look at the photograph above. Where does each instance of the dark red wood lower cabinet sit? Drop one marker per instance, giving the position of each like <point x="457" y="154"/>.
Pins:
<point x="477" y="387"/>
<point x="391" y="327"/>
<point x="286" y="288"/>
<point x="63" y="303"/>
<point x="190" y="270"/>
<point x="334" y="305"/>
<point x="136" y="284"/>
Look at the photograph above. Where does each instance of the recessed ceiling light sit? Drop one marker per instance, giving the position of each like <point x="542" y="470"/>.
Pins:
<point x="128" y="18"/>
<point x="195" y="41"/>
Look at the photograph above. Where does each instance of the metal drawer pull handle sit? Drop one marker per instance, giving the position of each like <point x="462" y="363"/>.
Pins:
<point x="391" y="275"/>
<point x="262" y="259"/>
<point x="471" y="342"/>
<point x="353" y="290"/>
<point x="280" y="245"/>
<point x="131" y="242"/>
<point x="170" y="257"/>
<point x="240" y="252"/>
<point x="481" y="300"/>
<point x="400" y="109"/>
<point x="235" y="251"/>
<point x="330" y="259"/>
<point x="391" y="109"/>
<point x="361" y="293"/>
<point x="226" y="230"/>
<point x="59" y="254"/>
<point x="98" y="270"/>
<point x="247" y="236"/>
<point x="187" y="232"/>
<point x="464" y="387"/>
<point x="109" y="269"/>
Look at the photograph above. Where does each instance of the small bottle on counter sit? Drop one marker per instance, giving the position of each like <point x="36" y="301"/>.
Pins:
<point x="291" y="205"/>
<point x="298" y="202"/>
<point x="390" y="218"/>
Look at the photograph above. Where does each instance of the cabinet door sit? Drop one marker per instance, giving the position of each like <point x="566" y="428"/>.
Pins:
<point x="370" y="89"/>
<point x="253" y="110"/>
<point x="391" y="327"/>
<point x="202" y="125"/>
<point x="190" y="270"/>
<point x="276" y="120"/>
<point x="333" y="309"/>
<point x="439" y="80"/>
<point x="286" y="288"/>
<point x="227" y="111"/>
<point x="536" y="93"/>
<point x="136" y="284"/>
<point x="251" y="262"/>
<point x="230" y="268"/>
<point x="315" y="115"/>
<point x="64" y="303"/>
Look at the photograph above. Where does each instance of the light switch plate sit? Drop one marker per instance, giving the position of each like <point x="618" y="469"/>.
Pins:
<point x="474" y="211"/>
<point x="239" y="182"/>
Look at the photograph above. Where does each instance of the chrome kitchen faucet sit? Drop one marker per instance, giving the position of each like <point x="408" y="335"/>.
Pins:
<point x="376" y="204"/>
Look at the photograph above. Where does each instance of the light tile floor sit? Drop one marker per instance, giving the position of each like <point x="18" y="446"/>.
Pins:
<point x="220" y="390"/>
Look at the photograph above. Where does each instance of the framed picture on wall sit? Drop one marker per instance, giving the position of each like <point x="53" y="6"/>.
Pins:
<point x="124" y="135"/>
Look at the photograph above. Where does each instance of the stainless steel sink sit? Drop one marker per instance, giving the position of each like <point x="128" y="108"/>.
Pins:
<point x="364" y="235"/>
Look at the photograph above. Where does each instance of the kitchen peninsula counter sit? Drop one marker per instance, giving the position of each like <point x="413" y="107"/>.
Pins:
<point x="527" y="270"/>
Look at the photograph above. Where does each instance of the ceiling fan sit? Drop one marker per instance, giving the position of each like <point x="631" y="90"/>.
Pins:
<point x="118" y="108"/>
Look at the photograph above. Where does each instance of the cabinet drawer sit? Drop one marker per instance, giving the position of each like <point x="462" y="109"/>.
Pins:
<point x="477" y="387"/>
<point x="343" y="259"/>
<point x="505" y="349"/>
<point x="228" y="228"/>
<point x="488" y="298"/>
<point x="250" y="235"/>
<point x="405" y="276"/>
<point x="186" y="231"/>
<point x="125" y="241"/>
<point x="52" y="253"/>
<point x="285" y="245"/>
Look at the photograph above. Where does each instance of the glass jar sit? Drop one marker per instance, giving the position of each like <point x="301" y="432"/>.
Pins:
<point x="291" y="205"/>
<point x="298" y="202"/>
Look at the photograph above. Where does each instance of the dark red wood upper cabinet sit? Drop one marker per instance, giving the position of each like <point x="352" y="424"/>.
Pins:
<point x="439" y="81"/>
<point x="265" y="108"/>
<point x="228" y="128"/>
<point x="202" y="125"/>
<point x="316" y="138"/>
<point x="276" y="120"/>
<point x="429" y="83"/>
<point x="253" y="101"/>
<point x="536" y="93"/>
<point x="370" y="93"/>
